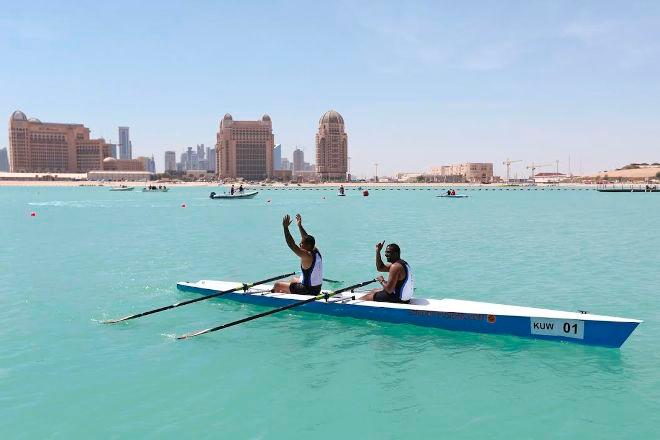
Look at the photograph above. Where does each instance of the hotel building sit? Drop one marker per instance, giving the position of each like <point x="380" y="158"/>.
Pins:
<point x="331" y="147"/>
<point x="170" y="161"/>
<point x="244" y="149"/>
<point x="42" y="147"/>
<point x="472" y="172"/>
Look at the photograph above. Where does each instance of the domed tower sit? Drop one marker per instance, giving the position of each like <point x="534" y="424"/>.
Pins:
<point x="332" y="147"/>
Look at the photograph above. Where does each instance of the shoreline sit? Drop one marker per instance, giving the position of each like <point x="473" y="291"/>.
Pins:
<point x="364" y="185"/>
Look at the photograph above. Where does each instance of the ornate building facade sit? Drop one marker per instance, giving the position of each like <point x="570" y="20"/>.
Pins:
<point x="244" y="149"/>
<point x="42" y="147"/>
<point x="331" y="147"/>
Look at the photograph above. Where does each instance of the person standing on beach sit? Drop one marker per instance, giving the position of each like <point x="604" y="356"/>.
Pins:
<point x="400" y="284"/>
<point x="311" y="262"/>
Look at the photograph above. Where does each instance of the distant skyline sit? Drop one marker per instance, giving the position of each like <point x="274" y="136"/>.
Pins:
<point x="418" y="83"/>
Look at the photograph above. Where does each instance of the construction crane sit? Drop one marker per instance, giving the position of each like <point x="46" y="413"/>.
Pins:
<point x="508" y="163"/>
<point x="533" y="166"/>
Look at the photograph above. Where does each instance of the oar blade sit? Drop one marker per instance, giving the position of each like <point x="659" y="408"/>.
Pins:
<point x="114" y="321"/>
<point x="192" y="335"/>
<point x="183" y="303"/>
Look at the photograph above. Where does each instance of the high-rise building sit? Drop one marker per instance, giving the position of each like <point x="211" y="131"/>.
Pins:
<point x="298" y="159"/>
<point x="150" y="164"/>
<point x="277" y="157"/>
<point x="286" y="164"/>
<point x="38" y="147"/>
<point x="113" y="150"/>
<point x="210" y="157"/>
<point x="125" y="146"/>
<point x="4" y="160"/>
<point x="244" y="148"/>
<point x="331" y="147"/>
<point x="170" y="161"/>
<point x="201" y="152"/>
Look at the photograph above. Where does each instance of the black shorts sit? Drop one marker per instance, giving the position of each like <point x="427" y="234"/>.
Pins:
<point x="383" y="296"/>
<point x="301" y="289"/>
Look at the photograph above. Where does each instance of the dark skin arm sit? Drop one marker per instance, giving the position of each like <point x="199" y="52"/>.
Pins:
<point x="305" y="255"/>
<point x="303" y="233"/>
<point x="396" y="274"/>
<point x="380" y="266"/>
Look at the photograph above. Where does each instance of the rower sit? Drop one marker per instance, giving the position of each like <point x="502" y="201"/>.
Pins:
<point x="232" y="190"/>
<point x="341" y="189"/>
<point x="449" y="192"/>
<point x="240" y="188"/>
<point x="399" y="285"/>
<point x="311" y="262"/>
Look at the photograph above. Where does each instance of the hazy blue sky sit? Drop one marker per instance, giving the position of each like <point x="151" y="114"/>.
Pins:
<point x="418" y="83"/>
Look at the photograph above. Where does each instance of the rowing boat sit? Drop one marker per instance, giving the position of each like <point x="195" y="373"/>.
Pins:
<point x="457" y="196"/>
<point x="448" y="314"/>
<point x="237" y="195"/>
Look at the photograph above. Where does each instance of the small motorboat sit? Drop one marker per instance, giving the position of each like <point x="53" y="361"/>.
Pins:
<point x="122" y="188"/>
<point x="154" y="190"/>
<point x="236" y="195"/>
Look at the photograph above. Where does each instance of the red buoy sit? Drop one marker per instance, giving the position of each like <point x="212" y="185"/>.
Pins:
<point x="183" y="205"/>
<point x="33" y="214"/>
<point x="365" y="193"/>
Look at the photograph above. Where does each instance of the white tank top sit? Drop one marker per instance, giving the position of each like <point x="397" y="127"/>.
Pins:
<point x="406" y="290"/>
<point x="314" y="275"/>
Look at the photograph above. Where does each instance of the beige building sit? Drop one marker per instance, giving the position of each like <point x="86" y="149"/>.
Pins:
<point x="472" y="172"/>
<point x="331" y="147"/>
<point x="112" y="164"/>
<point x="244" y="149"/>
<point x="121" y="176"/>
<point x="41" y="147"/>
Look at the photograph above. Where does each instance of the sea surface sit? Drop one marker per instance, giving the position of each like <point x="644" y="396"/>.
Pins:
<point x="89" y="254"/>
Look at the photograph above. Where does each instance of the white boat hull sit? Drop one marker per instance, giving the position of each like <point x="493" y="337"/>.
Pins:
<point x="449" y="314"/>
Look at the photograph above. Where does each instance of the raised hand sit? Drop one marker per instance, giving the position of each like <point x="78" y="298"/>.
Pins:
<point x="379" y="246"/>
<point x="298" y="219"/>
<point x="286" y="221"/>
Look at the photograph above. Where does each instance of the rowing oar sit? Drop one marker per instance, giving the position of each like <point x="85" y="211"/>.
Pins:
<point x="243" y="287"/>
<point x="279" y="309"/>
<point x="328" y="280"/>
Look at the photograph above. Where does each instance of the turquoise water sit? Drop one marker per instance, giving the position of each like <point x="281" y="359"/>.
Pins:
<point x="90" y="254"/>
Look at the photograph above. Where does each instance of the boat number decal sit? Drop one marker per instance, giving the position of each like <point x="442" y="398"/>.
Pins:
<point x="569" y="328"/>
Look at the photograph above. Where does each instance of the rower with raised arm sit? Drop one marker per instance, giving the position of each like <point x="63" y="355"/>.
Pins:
<point x="399" y="285"/>
<point x="311" y="262"/>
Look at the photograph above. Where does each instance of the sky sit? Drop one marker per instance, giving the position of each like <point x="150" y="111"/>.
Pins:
<point x="418" y="83"/>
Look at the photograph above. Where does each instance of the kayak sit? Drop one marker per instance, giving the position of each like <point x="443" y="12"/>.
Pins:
<point x="448" y="314"/>
<point x="237" y="195"/>
<point x="457" y="196"/>
<point x="163" y="190"/>
<point x="341" y="195"/>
